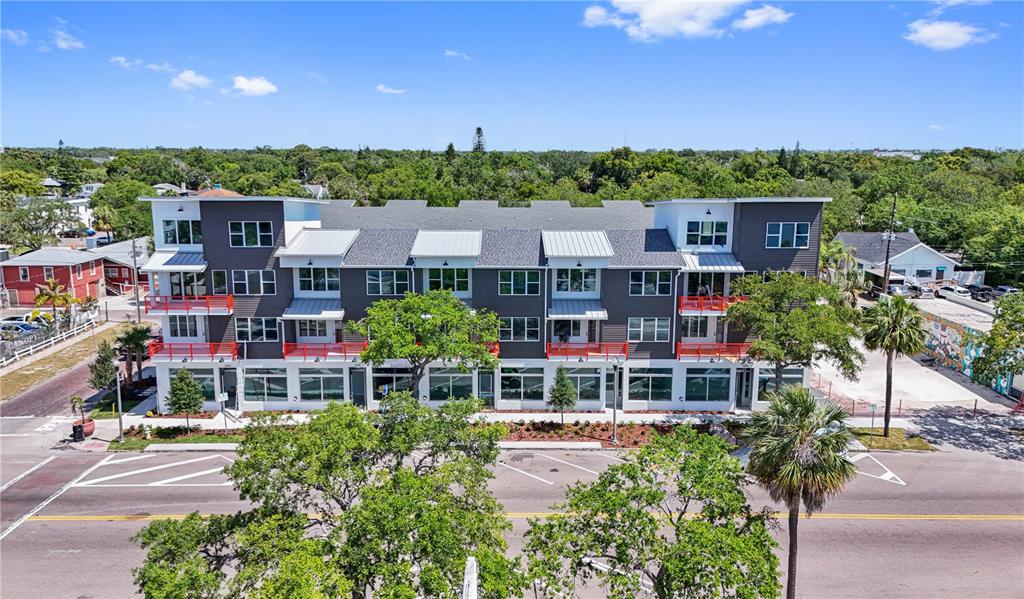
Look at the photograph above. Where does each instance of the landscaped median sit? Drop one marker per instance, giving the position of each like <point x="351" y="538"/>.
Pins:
<point x="135" y="439"/>
<point x="898" y="440"/>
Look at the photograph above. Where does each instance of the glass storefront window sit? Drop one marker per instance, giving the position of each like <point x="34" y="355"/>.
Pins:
<point x="707" y="384"/>
<point x="322" y="384"/>
<point x="266" y="384"/>
<point x="447" y="383"/>
<point x="522" y="383"/>
<point x="650" y="384"/>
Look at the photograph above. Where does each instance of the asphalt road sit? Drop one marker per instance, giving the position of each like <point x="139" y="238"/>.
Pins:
<point x="946" y="524"/>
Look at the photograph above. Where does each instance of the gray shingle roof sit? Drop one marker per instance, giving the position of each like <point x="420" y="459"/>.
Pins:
<point x="510" y="247"/>
<point x="649" y="247"/>
<point x="381" y="247"/>
<point x="52" y="256"/>
<point x="870" y="247"/>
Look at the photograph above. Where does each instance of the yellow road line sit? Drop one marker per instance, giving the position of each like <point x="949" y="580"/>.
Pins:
<point x="525" y="515"/>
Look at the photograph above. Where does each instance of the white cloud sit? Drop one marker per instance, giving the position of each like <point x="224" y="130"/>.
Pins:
<point x="942" y="5"/>
<point x="162" y="66"/>
<point x="124" y="63"/>
<point x="253" y="86"/>
<point x="754" y="18"/>
<point x="380" y="87"/>
<point x="189" y="79"/>
<point x="18" y="37"/>
<point x="63" y="39"/>
<point x="945" y="35"/>
<point x="934" y="127"/>
<point x="317" y="77"/>
<point x="455" y="54"/>
<point x="649" y="21"/>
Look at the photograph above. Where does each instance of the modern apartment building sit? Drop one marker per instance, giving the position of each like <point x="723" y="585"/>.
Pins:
<point x="253" y="295"/>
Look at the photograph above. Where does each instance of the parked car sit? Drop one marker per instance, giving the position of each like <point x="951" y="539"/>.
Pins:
<point x="19" y="318"/>
<point x="980" y="293"/>
<point x="18" y="328"/>
<point x="920" y="292"/>
<point x="1003" y="290"/>
<point x="898" y="290"/>
<point x="950" y="290"/>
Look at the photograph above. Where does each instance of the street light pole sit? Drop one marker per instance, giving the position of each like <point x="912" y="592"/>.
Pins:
<point x="120" y="413"/>
<point x="615" y="404"/>
<point x="135" y="283"/>
<point x="888" y="244"/>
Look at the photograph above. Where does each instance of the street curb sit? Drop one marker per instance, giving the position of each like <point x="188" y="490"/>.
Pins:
<point x="176" y="447"/>
<point x="549" y="445"/>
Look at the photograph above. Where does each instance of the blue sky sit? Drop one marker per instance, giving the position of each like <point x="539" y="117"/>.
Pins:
<point x="535" y="76"/>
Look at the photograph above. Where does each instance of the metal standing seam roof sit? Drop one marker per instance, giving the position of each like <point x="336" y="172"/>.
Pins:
<point x="314" y="309"/>
<point x="577" y="244"/>
<point x="446" y="244"/>
<point x="320" y="242"/>
<point x="712" y="263"/>
<point x="577" y="310"/>
<point x="175" y="262"/>
<point x="52" y="256"/>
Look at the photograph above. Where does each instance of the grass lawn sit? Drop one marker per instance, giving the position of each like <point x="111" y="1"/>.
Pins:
<point x="133" y="440"/>
<point x="897" y="439"/>
<point x="106" y="409"/>
<point x="36" y="372"/>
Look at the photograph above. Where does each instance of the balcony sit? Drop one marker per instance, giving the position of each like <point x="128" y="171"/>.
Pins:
<point x="494" y="348"/>
<point x="709" y="351"/>
<point x="588" y="351"/>
<point x="190" y="304"/>
<point x="703" y="303"/>
<point x="324" y="352"/>
<point x="161" y="351"/>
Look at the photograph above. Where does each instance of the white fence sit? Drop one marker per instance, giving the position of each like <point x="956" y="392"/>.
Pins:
<point x="17" y="354"/>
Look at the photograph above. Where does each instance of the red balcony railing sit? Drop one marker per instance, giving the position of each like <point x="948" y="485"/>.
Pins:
<point x="189" y="303"/>
<point x="494" y="347"/>
<point x="704" y="351"/>
<point x="163" y="350"/>
<point x="702" y="303"/>
<point x="311" y="351"/>
<point x="588" y="350"/>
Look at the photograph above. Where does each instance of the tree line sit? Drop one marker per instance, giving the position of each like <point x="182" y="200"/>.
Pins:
<point x="968" y="200"/>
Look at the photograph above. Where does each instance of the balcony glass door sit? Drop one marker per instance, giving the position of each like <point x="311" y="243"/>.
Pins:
<point x="188" y="283"/>
<point x="705" y="284"/>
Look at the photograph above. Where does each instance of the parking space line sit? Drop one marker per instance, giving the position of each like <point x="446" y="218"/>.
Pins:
<point x="568" y="463"/>
<point x="15" y="435"/>
<point x="150" y="469"/>
<point x="610" y="457"/>
<point x="27" y="472"/>
<point x="51" y="498"/>
<point x="526" y="473"/>
<point x="131" y="459"/>
<point x="161" y="483"/>
<point x="13" y="417"/>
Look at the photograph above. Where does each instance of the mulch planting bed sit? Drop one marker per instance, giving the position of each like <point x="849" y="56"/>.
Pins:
<point x="630" y="434"/>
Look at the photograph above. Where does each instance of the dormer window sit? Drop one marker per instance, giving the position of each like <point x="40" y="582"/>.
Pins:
<point x="708" y="232"/>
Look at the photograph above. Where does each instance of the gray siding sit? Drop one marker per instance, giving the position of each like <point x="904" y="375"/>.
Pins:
<point x="221" y="256"/>
<point x="485" y="296"/>
<point x="621" y="306"/>
<point x="750" y="221"/>
<point x="354" y="298"/>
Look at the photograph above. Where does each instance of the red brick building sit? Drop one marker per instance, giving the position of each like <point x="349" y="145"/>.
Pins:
<point x="81" y="271"/>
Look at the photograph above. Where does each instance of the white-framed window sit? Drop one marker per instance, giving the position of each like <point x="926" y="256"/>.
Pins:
<point x="587" y="382"/>
<point x="923" y="273"/>
<point x="256" y="329"/>
<point x="390" y="380"/>
<point x="78" y="271"/>
<point x="203" y="376"/>
<point x="519" y="328"/>
<point x="707" y="384"/>
<point x="787" y="235"/>
<point x="576" y="280"/>
<point x="111" y="272"/>
<point x="522" y="383"/>
<point x="650" y="384"/>
<point x="312" y="328"/>
<point x="708" y="232"/>
<point x="694" y="326"/>
<point x="219" y="278"/>
<point x="319" y="279"/>
<point x="183" y="326"/>
<point x="645" y="329"/>
<point x="23" y="273"/>
<point x="251" y="233"/>
<point x="452" y="279"/>
<point x="650" y="282"/>
<point x="92" y="267"/>
<point x="321" y="384"/>
<point x="446" y="383"/>
<point x="254" y="282"/>
<point x="47" y="273"/>
<point x="518" y="282"/>
<point x="387" y="282"/>
<point x="266" y="384"/>
<point x="183" y="232"/>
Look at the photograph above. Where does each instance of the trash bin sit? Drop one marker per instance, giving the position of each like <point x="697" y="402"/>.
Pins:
<point x="77" y="433"/>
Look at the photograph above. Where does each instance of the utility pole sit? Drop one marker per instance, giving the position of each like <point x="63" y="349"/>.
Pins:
<point x="120" y="411"/>
<point x="135" y="284"/>
<point x="888" y="244"/>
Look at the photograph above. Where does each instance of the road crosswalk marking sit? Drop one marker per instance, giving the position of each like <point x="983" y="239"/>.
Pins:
<point x="888" y="476"/>
<point x="95" y="481"/>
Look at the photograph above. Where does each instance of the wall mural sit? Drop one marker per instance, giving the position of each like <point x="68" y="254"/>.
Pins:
<point x="950" y="344"/>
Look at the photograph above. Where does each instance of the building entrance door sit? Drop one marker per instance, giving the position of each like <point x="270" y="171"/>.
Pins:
<point x="744" y="388"/>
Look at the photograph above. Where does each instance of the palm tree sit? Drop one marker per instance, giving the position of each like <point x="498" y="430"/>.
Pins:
<point x="894" y="326"/>
<point x="838" y="268"/>
<point x="798" y="454"/>
<point x="54" y="294"/>
<point x="132" y="345"/>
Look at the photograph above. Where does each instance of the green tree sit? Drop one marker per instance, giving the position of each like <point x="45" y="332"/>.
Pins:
<point x="103" y="370"/>
<point x="798" y="454"/>
<point x="894" y="326"/>
<point x="996" y="243"/>
<point x="562" y="395"/>
<point x="450" y="154"/>
<point x="349" y="504"/>
<point x="479" y="144"/>
<point x="39" y="222"/>
<point x="422" y="328"/>
<point x="672" y="519"/>
<point x="55" y="295"/>
<point x="838" y="268"/>
<point x="132" y="344"/>
<point x="796" y="321"/>
<point x="21" y="183"/>
<point x="1002" y="347"/>
<point x="118" y="205"/>
<point x="186" y="395"/>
